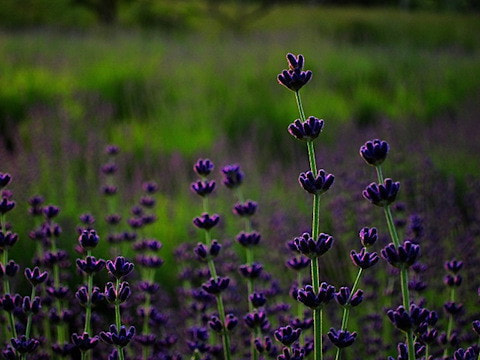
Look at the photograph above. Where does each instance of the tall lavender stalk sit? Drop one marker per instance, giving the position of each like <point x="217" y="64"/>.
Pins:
<point x="216" y="285"/>
<point x="313" y="181"/>
<point x="401" y="256"/>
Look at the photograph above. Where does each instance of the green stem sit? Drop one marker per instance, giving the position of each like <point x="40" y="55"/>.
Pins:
<point x="317" y="313"/>
<point x="118" y="319"/>
<point x="446" y="352"/>
<point x="29" y="319"/>
<point x="300" y="106"/>
<point x="88" y="310"/>
<point x="6" y="288"/>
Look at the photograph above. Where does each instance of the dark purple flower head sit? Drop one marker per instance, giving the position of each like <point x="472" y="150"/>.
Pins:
<point x="82" y="296"/>
<point x="252" y="271"/>
<point x="206" y="222"/>
<point x="248" y="239"/>
<point x="112" y="294"/>
<point x="35" y="276"/>
<point x="298" y="263"/>
<point x="453" y="266"/>
<point x="109" y="190"/>
<point x="25" y="346"/>
<point x="6" y="205"/>
<point x="203" y="187"/>
<point x="309" y="298"/>
<point x="109" y="169"/>
<point x="150" y="187"/>
<point x="7" y="239"/>
<point x="292" y="354"/>
<point x="469" y="354"/>
<point x="312" y="248"/>
<point x="257" y="299"/>
<point x="11" y="268"/>
<point x="287" y="335"/>
<point x="452" y="280"/>
<point x="368" y="236"/>
<point x="9" y="302"/>
<point x="120" y="267"/>
<point x="232" y="176"/>
<point x="87" y="219"/>
<point x="216" y="286"/>
<point x="149" y="287"/>
<point x="231" y="321"/>
<point x="265" y="345"/>
<point x="364" y="259"/>
<point x="341" y="338"/>
<point x="118" y="337"/>
<point x="215" y="324"/>
<point x="88" y="239"/>
<point x="4" y="179"/>
<point x="453" y="308"/>
<point x="345" y="298"/>
<point x="203" y="167"/>
<point x="400" y="318"/>
<point x="476" y="326"/>
<point x="257" y="319"/>
<point x="147" y="201"/>
<point x="113" y="219"/>
<point x="248" y="208"/>
<point x="35" y="203"/>
<point x="316" y="184"/>
<point x="84" y="342"/>
<point x="404" y="255"/>
<point x="112" y="150"/>
<point x="149" y="261"/>
<point x="202" y="251"/>
<point x="90" y="265"/>
<point x="382" y="194"/>
<point x="294" y="78"/>
<point x="374" y="152"/>
<point x="307" y="130"/>
<point x="50" y="211"/>
<point x="31" y="306"/>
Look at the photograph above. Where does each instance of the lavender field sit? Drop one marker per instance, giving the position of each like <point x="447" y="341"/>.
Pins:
<point x="279" y="192"/>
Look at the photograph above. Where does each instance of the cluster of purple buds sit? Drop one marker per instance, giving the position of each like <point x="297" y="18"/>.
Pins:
<point x="374" y="152"/>
<point x="382" y="194"/>
<point x="292" y="354"/>
<point x="316" y="184"/>
<point x="7" y="240"/>
<point x="90" y="265"/>
<point x="298" y="263"/>
<point x="309" y="298"/>
<point x="118" y="295"/>
<point x="402" y="256"/>
<point x="248" y="239"/>
<point x="119" y="268"/>
<point x="364" y="259"/>
<point x="232" y="176"/>
<point x="310" y="247"/>
<point x="231" y="321"/>
<point x="344" y="297"/>
<point x="88" y="239"/>
<point x="257" y="319"/>
<point x="368" y="236"/>
<point x="453" y="279"/>
<point x="84" y="342"/>
<point x="307" y="130"/>
<point x="35" y="276"/>
<point x="341" y="338"/>
<point x="216" y="286"/>
<point x="203" y="251"/>
<point x="203" y="187"/>
<point x="118" y="337"/>
<point x="294" y="78"/>
<point x="248" y="208"/>
<point x="206" y="221"/>
<point x="287" y="335"/>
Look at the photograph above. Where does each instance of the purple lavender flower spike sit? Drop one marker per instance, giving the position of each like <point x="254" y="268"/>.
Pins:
<point x="4" y="179"/>
<point x="113" y="219"/>
<point x="400" y="318"/>
<point x="10" y="302"/>
<point x="84" y="342"/>
<point x="90" y="265"/>
<point x="341" y="338"/>
<point x="368" y="236"/>
<point x="120" y="267"/>
<point x="248" y="208"/>
<point x="216" y="286"/>
<point x="309" y="298"/>
<point x="206" y="222"/>
<point x="404" y="255"/>
<point x="382" y="194"/>
<point x="122" y="295"/>
<point x="24" y="345"/>
<point x="307" y="130"/>
<point x="87" y="219"/>
<point x="248" y="239"/>
<point x="469" y="354"/>
<point x="316" y="184"/>
<point x="147" y="201"/>
<point x="453" y="308"/>
<point x="453" y="266"/>
<point x="35" y="203"/>
<point x="11" y="268"/>
<point x="88" y="239"/>
<point x="252" y="271"/>
<point x="118" y="337"/>
<point x="294" y="78"/>
<point x="109" y="190"/>
<point x="287" y="335"/>
<point x="203" y="167"/>
<point x="292" y="354"/>
<point x="215" y="324"/>
<point x="50" y="211"/>
<point x="257" y="319"/>
<point x="31" y="306"/>
<point x="312" y="248"/>
<point x="150" y="187"/>
<point x="35" y="276"/>
<point x="374" y="152"/>
<point x="452" y="280"/>
<point x="232" y="176"/>
<point x="203" y="187"/>
<point x="257" y="299"/>
<point x="298" y="263"/>
<point x="231" y="321"/>
<point x="7" y="239"/>
<point x="109" y="169"/>
<point x="344" y="299"/>
<point x="363" y="259"/>
<point x="112" y="150"/>
<point x="6" y="205"/>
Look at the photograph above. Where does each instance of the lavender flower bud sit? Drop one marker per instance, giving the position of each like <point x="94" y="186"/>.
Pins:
<point x="50" y="211"/>
<point x="7" y="239"/>
<point x="203" y="167"/>
<point x="374" y="152"/>
<point x="248" y="208"/>
<point x="382" y="194"/>
<point x="344" y="299"/>
<point x="118" y="337"/>
<point x="4" y="179"/>
<point x="231" y="321"/>
<point x="216" y="286"/>
<point x="90" y="265"/>
<point x="248" y="239"/>
<point x="215" y="324"/>
<point x="404" y="255"/>
<point x="294" y="78"/>
<point x="257" y="299"/>
<point x="24" y="345"/>
<point x="364" y="259"/>
<point x="203" y="187"/>
<point x="35" y="277"/>
<point x="368" y="236"/>
<point x="11" y="268"/>
<point x="88" y="239"/>
<point x="252" y="271"/>
<point x="257" y="319"/>
<point x="6" y="205"/>
<point x="120" y="267"/>
<point x="312" y="248"/>
<point x="341" y="338"/>
<point x="316" y="184"/>
<point x="206" y="221"/>
<point x="453" y="266"/>
<point x="292" y="354"/>
<point x="307" y="130"/>
<point x="313" y="300"/>
<point x="452" y="280"/>
<point x="232" y="176"/>
<point x="84" y="342"/>
<point x="298" y="263"/>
